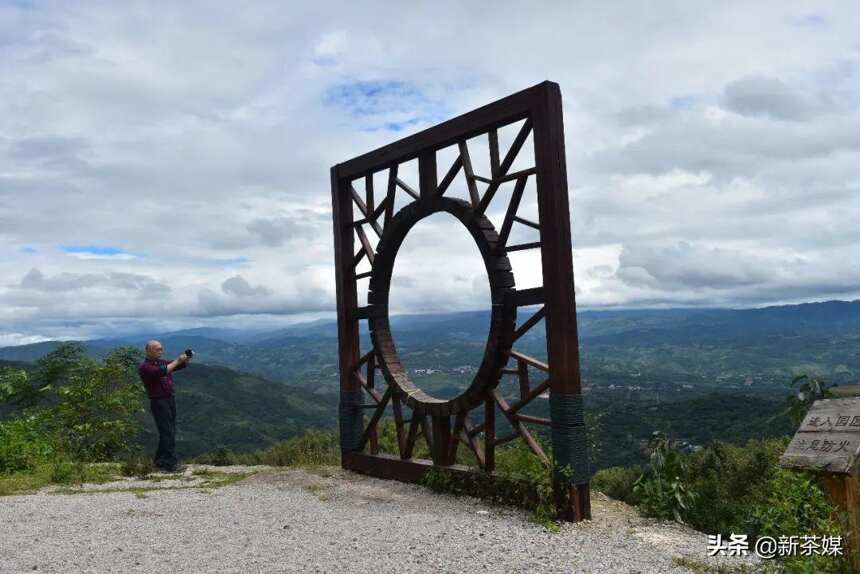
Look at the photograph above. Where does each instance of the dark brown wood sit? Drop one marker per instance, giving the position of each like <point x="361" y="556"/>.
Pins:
<point x="489" y="425"/>
<point x="397" y="408"/>
<point x="523" y="246"/>
<point x="499" y="113"/>
<point x="441" y="449"/>
<point x="427" y="174"/>
<point x="470" y="175"/>
<point x="523" y="378"/>
<point x="459" y="421"/>
<point x="531" y="322"/>
<point x="389" y="196"/>
<point x="527" y="297"/>
<point x="520" y="428"/>
<point x="405" y="187"/>
<point x="493" y="139"/>
<point x="368" y="249"/>
<point x="412" y="435"/>
<point x="498" y="178"/>
<point x="377" y="414"/>
<point x="374" y="394"/>
<point x="527" y="222"/>
<point x="539" y="108"/>
<point x="368" y="188"/>
<point x="347" y="296"/>
<point x="426" y="431"/>
<point x="513" y="206"/>
<point x="532" y="395"/>
<point x="533" y="420"/>
<point x="449" y="177"/>
<point x="556" y="255"/>
<point x="474" y="445"/>
<point x="531" y="361"/>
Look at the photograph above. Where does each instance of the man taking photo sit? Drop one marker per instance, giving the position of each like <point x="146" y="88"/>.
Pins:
<point x="156" y="375"/>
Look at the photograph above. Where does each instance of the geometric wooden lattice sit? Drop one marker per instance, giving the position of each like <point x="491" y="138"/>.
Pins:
<point x="359" y="220"/>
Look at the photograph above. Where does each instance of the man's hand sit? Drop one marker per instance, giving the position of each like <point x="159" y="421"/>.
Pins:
<point x="182" y="359"/>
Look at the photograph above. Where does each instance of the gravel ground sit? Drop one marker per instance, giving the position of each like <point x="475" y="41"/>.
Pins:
<point x="323" y="520"/>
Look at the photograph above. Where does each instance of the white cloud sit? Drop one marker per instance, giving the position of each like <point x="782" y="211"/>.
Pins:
<point x="202" y="137"/>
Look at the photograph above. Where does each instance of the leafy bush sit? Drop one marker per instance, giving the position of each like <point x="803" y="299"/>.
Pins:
<point x="617" y="482"/>
<point x="314" y="447"/>
<point x="71" y="407"/>
<point x="663" y="489"/>
<point x="25" y="443"/>
<point x="139" y="466"/>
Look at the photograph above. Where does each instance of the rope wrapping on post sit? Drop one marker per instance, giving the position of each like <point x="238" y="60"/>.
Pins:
<point x="569" y="439"/>
<point x="351" y="418"/>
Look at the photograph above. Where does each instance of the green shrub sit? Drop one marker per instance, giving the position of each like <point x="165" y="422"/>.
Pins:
<point x="617" y="482"/>
<point x="315" y="447"/>
<point x="663" y="488"/>
<point x="25" y="443"/>
<point x="140" y="466"/>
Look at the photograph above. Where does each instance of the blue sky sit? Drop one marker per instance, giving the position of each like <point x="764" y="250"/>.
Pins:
<point x="170" y="166"/>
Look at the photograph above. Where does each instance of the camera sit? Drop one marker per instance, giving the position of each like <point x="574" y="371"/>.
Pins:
<point x="189" y="353"/>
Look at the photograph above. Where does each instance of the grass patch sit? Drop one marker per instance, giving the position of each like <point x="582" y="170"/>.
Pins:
<point x="60" y="472"/>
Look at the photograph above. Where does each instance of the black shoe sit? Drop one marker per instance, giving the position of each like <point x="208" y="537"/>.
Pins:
<point x="174" y="469"/>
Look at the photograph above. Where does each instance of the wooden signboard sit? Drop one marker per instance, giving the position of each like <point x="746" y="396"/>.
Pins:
<point x="828" y="442"/>
<point x="828" y="439"/>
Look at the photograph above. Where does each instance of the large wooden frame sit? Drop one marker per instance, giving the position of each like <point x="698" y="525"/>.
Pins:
<point x="540" y="111"/>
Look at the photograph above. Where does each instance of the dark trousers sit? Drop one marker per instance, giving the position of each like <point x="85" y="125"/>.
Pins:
<point x="164" y="413"/>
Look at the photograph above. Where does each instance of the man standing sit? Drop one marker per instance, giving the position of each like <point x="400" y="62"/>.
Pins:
<point x="156" y="375"/>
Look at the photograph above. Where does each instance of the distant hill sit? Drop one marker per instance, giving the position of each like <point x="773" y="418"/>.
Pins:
<point x="657" y="348"/>
<point x="219" y="407"/>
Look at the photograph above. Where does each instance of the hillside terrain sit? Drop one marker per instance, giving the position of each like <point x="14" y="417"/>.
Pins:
<point x="698" y="375"/>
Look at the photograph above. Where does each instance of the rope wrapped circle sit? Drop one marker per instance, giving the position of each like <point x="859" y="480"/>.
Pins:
<point x="502" y="321"/>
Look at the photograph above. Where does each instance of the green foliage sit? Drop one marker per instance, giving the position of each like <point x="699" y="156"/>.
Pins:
<point x="662" y="488"/>
<point x="58" y="471"/>
<point x="25" y="443"/>
<point x="93" y="419"/>
<point x="69" y="408"/>
<point x="140" y="466"/>
<point x="809" y="391"/>
<point x="618" y="482"/>
<point x="734" y="489"/>
<point x="313" y="448"/>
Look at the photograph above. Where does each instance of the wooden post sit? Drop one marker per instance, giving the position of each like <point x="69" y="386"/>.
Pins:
<point x="568" y="427"/>
<point x="351" y="417"/>
<point x="844" y="493"/>
<point x="442" y="440"/>
<point x="828" y="443"/>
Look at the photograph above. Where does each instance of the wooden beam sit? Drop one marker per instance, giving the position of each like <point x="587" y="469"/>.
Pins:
<point x="531" y="322"/>
<point x="530" y="396"/>
<point x="377" y="414"/>
<point x="489" y="434"/>
<point x="496" y="114"/>
<point x="524" y="432"/>
<point x="427" y="174"/>
<point x="523" y="247"/>
<point x="368" y="249"/>
<point x="531" y="224"/>
<point x="449" y="177"/>
<point x="405" y="187"/>
<point x="513" y="206"/>
<point x="470" y="175"/>
<point x="531" y="361"/>
<point x="493" y="139"/>
<point x="500" y="176"/>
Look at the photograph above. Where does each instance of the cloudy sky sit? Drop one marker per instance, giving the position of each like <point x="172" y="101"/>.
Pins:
<point x="168" y="166"/>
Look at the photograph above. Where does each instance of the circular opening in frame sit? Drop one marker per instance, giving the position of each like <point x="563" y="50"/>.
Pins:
<point x="439" y="306"/>
<point x="499" y="336"/>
